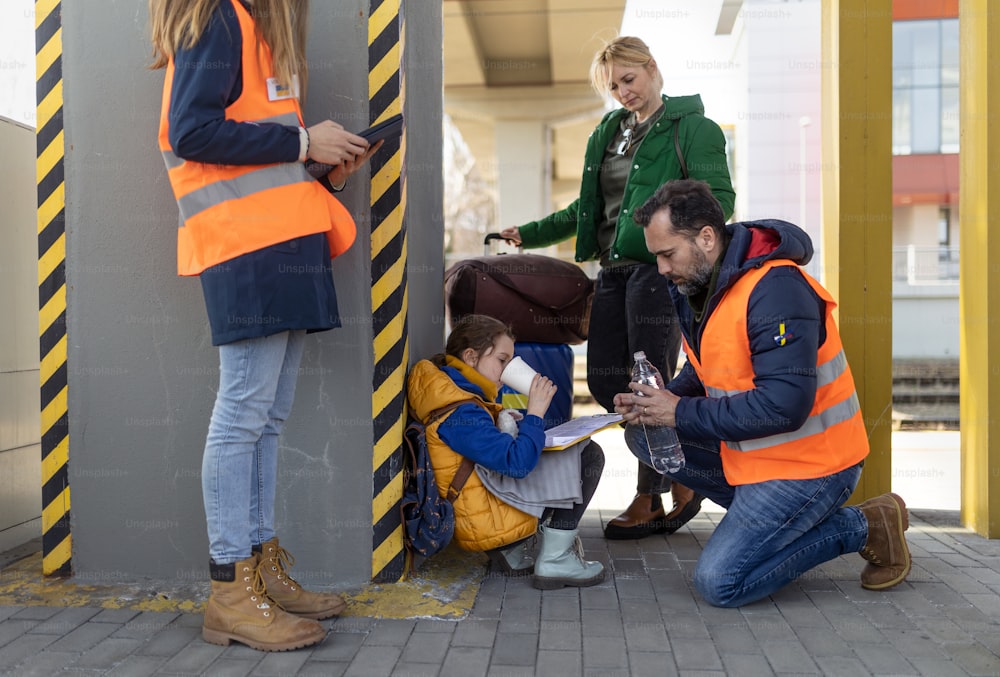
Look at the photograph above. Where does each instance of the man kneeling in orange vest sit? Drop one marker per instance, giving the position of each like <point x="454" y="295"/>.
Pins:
<point x="765" y="405"/>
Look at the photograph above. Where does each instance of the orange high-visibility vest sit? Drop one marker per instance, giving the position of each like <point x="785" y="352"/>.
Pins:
<point x="230" y="210"/>
<point x="832" y="438"/>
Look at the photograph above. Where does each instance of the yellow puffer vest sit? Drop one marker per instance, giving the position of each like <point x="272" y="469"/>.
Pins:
<point x="482" y="521"/>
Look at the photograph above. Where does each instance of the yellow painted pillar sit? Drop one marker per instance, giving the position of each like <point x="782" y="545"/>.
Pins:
<point x="857" y="209"/>
<point x="979" y="341"/>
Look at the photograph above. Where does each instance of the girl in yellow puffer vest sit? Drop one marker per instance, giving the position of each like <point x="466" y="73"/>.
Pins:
<point x="514" y="485"/>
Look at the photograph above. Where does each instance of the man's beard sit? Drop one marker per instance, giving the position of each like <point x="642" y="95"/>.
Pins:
<point x="700" y="278"/>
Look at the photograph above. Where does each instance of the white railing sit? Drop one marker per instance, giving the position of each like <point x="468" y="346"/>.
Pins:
<point x="918" y="265"/>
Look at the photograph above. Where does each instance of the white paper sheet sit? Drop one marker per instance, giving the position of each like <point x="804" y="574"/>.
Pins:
<point x="573" y="430"/>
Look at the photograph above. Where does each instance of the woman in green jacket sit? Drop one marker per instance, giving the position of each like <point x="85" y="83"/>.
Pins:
<point x="633" y="151"/>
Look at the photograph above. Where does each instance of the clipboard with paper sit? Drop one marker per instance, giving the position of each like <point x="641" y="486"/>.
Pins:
<point x="572" y="431"/>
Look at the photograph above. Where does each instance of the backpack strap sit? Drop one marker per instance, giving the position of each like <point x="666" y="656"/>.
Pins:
<point x="677" y="148"/>
<point x="447" y="409"/>
<point x="467" y="466"/>
<point x="459" y="480"/>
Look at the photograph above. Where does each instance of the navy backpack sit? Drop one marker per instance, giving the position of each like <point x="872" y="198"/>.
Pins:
<point x="428" y="518"/>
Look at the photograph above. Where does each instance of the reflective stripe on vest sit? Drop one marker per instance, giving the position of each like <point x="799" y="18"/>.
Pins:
<point x="290" y="119"/>
<point x="270" y="176"/>
<point x="831" y="439"/>
<point x="814" y="425"/>
<point x="826" y="373"/>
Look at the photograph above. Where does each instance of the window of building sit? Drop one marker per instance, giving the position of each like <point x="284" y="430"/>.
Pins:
<point x="944" y="225"/>
<point x="925" y="86"/>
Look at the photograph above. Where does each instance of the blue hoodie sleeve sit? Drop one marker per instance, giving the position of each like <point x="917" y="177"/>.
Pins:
<point x="784" y="375"/>
<point x="207" y="79"/>
<point x="470" y="432"/>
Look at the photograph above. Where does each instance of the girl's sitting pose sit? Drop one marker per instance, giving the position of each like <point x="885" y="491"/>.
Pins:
<point x="514" y="485"/>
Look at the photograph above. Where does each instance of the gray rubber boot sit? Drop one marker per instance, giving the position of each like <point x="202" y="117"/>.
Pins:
<point x="514" y="560"/>
<point x="560" y="562"/>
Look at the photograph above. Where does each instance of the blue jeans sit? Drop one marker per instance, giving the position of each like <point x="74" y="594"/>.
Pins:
<point x="239" y="468"/>
<point x="772" y="532"/>
<point x="631" y="311"/>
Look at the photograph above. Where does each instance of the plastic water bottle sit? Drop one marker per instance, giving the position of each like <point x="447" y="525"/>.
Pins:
<point x="665" y="452"/>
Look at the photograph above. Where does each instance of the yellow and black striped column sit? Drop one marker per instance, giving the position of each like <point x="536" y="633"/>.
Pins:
<point x="57" y="550"/>
<point x="389" y="290"/>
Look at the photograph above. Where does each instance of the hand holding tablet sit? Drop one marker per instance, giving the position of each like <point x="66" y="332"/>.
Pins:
<point x="388" y="128"/>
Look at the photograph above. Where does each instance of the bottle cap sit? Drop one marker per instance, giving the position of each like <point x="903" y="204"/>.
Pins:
<point x="639" y="355"/>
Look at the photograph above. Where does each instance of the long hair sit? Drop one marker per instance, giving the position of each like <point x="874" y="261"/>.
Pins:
<point x="624" y="50"/>
<point x="281" y="24"/>
<point x="479" y="332"/>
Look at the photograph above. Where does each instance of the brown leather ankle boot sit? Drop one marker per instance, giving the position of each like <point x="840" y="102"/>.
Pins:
<point x="239" y="609"/>
<point x="643" y="517"/>
<point x="287" y="592"/>
<point x="886" y="549"/>
<point x="687" y="504"/>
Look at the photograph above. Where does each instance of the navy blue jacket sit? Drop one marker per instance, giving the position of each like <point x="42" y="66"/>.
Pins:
<point x="207" y="79"/>
<point x="784" y="376"/>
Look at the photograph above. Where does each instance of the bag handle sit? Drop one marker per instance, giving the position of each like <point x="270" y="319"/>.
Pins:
<point x="467" y="466"/>
<point x="497" y="236"/>
<point x="677" y="147"/>
<point x="506" y="281"/>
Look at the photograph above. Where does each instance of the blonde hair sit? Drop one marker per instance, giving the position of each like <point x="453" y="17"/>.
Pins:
<point x="624" y="50"/>
<point x="281" y="24"/>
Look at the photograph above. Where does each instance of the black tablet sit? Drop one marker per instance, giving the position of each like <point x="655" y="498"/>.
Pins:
<point x="383" y="130"/>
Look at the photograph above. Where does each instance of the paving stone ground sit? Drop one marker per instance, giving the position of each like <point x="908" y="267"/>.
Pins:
<point x="645" y="619"/>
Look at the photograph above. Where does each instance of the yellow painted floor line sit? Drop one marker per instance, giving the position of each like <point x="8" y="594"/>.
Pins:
<point x="445" y="586"/>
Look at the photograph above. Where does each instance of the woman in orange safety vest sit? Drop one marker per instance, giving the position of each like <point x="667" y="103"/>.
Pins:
<point x="259" y="231"/>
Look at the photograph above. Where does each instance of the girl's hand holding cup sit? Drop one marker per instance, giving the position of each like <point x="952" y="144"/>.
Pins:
<point x="522" y="378"/>
<point x="540" y="395"/>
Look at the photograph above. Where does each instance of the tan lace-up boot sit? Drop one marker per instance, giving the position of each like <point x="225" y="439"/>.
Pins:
<point x="886" y="549"/>
<point x="239" y="609"/>
<point x="286" y="591"/>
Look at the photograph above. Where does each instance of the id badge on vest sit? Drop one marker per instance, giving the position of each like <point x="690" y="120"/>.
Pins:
<point x="276" y="91"/>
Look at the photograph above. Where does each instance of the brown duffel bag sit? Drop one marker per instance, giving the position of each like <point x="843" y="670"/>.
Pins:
<point x="543" y="299"/>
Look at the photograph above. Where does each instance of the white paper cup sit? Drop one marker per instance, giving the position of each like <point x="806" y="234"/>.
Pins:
<point x="518" y="375"/>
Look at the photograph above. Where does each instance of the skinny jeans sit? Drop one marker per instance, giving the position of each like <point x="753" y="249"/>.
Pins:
<point x="257" y="378"/>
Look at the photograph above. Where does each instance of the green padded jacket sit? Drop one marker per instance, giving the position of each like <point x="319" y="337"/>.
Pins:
<point x="655" y="162"/>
